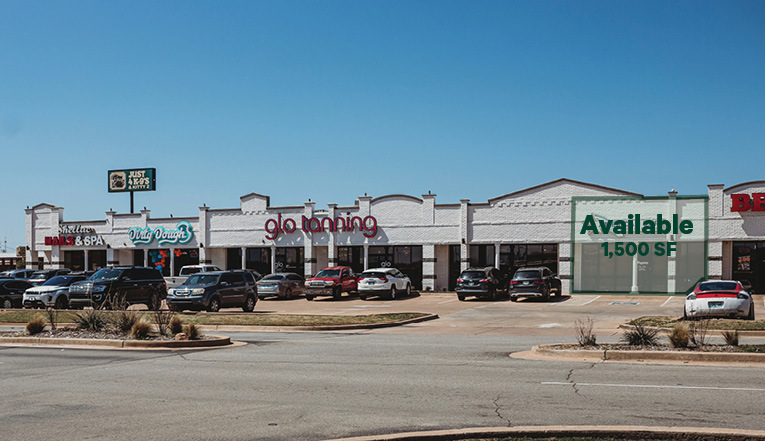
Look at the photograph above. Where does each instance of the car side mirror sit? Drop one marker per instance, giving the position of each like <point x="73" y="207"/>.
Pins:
<point x="223" y="283"/>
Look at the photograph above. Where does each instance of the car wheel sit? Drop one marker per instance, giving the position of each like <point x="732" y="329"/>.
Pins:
<point x="751" y="312"/>
<point x="408" y="289"/>
<point x="308" y="297"/>
<point x="558" y="291"/>
<point x="685" y="314"/>
<point x="214" y="305"/>
<point x="7" y="304"/>
<point x="461" y="297"/>
<point x="493" y="294"/>
<point x="393" y="292"/>
<point x="546" y="294"/>
<point x="288" y="294"/>
<point x="513" y="298"/>
<point x="61" y="302"/>
<point x="249" y="304"/>
<point x="337" y="293"/>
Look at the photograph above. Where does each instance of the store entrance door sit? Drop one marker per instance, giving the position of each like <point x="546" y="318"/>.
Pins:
<point x="749" y="264"/>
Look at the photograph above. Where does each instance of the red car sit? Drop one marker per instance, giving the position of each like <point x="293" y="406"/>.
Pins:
<point x="333" y="281"/>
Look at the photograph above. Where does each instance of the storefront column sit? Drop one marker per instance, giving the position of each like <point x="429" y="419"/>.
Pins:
<point x="87" y="261"/>
<point x="671" y="261"/>
<point x="634" y="289"/>
<point x="332" y="254"/>
<point x="464" y="239"/>
<point x="310" y="260"/>
<point x="55" y="258"/>
<point x="244" y="258"/>
<point x="172" y="262"/>
<point x="366" y="257"/>
<point x="110" y="259"/>
<point x="496" y="255"/>
<point x="273" y="259"/>
<point x="146" y="257"/>
<point x="202" y="255"/>
<point x="429" y="267"/>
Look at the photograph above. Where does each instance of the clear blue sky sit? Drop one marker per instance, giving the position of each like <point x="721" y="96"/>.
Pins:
<point x="329" y="100"/>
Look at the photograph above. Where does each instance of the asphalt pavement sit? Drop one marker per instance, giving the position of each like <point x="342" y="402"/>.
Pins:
<point x="313" y="386"/>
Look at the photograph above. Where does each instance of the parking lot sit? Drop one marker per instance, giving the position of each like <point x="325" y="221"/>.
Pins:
<point x="474" y="317"/>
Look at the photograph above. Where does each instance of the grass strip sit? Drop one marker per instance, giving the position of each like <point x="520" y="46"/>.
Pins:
<point x="242" y="319"/>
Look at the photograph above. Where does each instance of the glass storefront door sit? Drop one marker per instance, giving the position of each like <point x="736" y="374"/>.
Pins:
<point x="96" y="259"/>
<point x="290" y="260"/>
<point x="352" y="256"/>
<point x="74" y="260"/>
<point x="749" y="264"/>
<point x="408" y="260"/>
<point x="259" y="260"/>
<point x="184" y="258"/>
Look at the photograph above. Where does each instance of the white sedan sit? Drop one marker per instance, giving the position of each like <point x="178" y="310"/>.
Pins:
<point x="388" y="281"/>
<point x="719" y="298"/>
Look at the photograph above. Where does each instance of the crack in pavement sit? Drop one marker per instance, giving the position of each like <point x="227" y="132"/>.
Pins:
<point x="497" y="409"/>
<point x="573" y="383"/>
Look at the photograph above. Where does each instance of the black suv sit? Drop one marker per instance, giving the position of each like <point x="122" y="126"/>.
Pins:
<point x="110" y="287"/>
<point x="479" y="282"/>
<point x="534" y="282"/>
<point x="12" y="292"/>
<point x="214" y="290"/>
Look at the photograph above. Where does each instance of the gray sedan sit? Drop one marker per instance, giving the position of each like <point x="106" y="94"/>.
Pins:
<point x="282" y="285"/>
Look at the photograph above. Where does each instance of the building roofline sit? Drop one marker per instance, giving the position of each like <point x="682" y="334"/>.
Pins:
<point x="405" y="196"/>
<point x="733" y="187"/>
<point x="562" y="180"/>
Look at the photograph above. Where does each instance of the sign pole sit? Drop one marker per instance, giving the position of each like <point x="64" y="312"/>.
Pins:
<point x="131" y="201"/>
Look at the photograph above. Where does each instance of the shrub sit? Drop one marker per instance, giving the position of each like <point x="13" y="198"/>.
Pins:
<point x="176" y="325"/>
<point x="124" y="320"/>
<point x="140" y="330"/>
<point x="192" y="331"/>
<point x="584" y="334"/>
<point x="679" y="337"/>
<point x="731" y="337"/>
<point x="91" y="319"/>
<point x="641" y="336"/>
<point x="699" y="330"/>
<point x="36" y="325"/>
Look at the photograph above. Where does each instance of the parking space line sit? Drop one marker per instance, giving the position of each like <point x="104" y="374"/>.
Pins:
<point x="667" y="301"/>
<point x="447" y="301"/>
<point x="590" y="301"/>
<point x="652" y="386"/>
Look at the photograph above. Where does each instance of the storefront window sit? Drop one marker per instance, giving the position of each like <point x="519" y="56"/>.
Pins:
<point x="74" y="260"/>
<point x="259" y="260"/>
<point x="408" y="260"/>
<point x="96" y="259"/>
<point x="481" y="256"/>
<point x="290" y="260"/>
<point x="160" y="259"/>
<point x="351" y="256"/>
<point x="233" y="258"/>
<point x="138" y="258"/>
<point x="184" y="258"/>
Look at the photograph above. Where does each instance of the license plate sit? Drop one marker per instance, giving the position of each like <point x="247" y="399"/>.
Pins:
<point x="715" y="305"/>
<point x="527" y="283"/>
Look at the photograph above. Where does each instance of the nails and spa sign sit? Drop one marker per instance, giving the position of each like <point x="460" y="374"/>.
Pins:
<point x="366" y="225"/>
<point x="182" y="234"/>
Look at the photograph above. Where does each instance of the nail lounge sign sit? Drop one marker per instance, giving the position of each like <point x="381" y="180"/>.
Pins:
<point x="182" y="234"/>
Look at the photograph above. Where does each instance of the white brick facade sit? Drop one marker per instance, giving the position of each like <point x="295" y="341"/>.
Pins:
<point x="537" y="215"/>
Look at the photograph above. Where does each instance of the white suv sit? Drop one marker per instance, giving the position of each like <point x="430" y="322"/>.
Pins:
<point x="388" y="281"/>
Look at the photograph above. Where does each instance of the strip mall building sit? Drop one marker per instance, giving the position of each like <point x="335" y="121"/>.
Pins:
<point x="430" y="242"/>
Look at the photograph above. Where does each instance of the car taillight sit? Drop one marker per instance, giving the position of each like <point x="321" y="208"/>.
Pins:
<point x="484" y="280"/>
<point x="164" y="284"/>
<point x="537" y="282"/>
<point x="460" y="280"/>
<point x="384" y="279"/>
<point x="513" y="282"/>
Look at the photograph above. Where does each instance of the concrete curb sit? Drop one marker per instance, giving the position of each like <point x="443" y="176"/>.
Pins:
<point x="639" y="355"/>
<point x="717" y="332"/>
<point x="117" y="344"/>
<point x="634" y="432"/>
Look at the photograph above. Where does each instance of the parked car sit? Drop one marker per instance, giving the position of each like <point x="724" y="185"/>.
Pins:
<point x="333" y="281"/>
<point x="282" y="285"/>
<point x="54" y="292"/>
<point x="383" y="281"/>
<point x="12" y="292"/>
<point x="534" y="282"/>
<point x="187" y="271"/>
<point x="479" y="282"/>
<point x="111" y="287"/>
<point x="719" y="298"/>
<point x="23" y="274"/>
<point x="39" y="277"/>
<point x="215" y="290"/>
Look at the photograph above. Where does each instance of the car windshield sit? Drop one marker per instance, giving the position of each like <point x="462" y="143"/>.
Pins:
<point x="273" y="277"/>
<point x="39" y="274"/>
<point x="526" y="275"/>
<point x="329" y="273"/>
<point x="190" y="271"/>
<point x="718" y="286"/>
<point x="371" y="274"/>
<point x="202" y="280"/>
<point x="473" y="275"/>
<point x="58" y="281"/>
<point x="106" y="274"/>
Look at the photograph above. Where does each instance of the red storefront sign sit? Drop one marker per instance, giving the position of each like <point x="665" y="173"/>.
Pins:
<point x="350" y="224"/>
<point x="742" y="202"/>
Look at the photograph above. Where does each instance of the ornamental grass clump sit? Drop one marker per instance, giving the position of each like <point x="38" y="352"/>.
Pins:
<point x="124" y="320"/>
<point x="36" y="324"/>
<point x="176" y="325"/>
<point x="680" y="336"/>
<point x="641" y="336"/>
<point x="731" y="337"/>
<point x="192" y="331"/>
<point x="140" y="330"/>
<point x="91" y="320"/>
<point x="584" y="334"/>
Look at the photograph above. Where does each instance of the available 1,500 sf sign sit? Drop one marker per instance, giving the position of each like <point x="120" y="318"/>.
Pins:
<point x="628" y="244"/>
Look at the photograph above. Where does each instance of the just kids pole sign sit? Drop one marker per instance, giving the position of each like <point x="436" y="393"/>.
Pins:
<point x="137" y="179"/>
